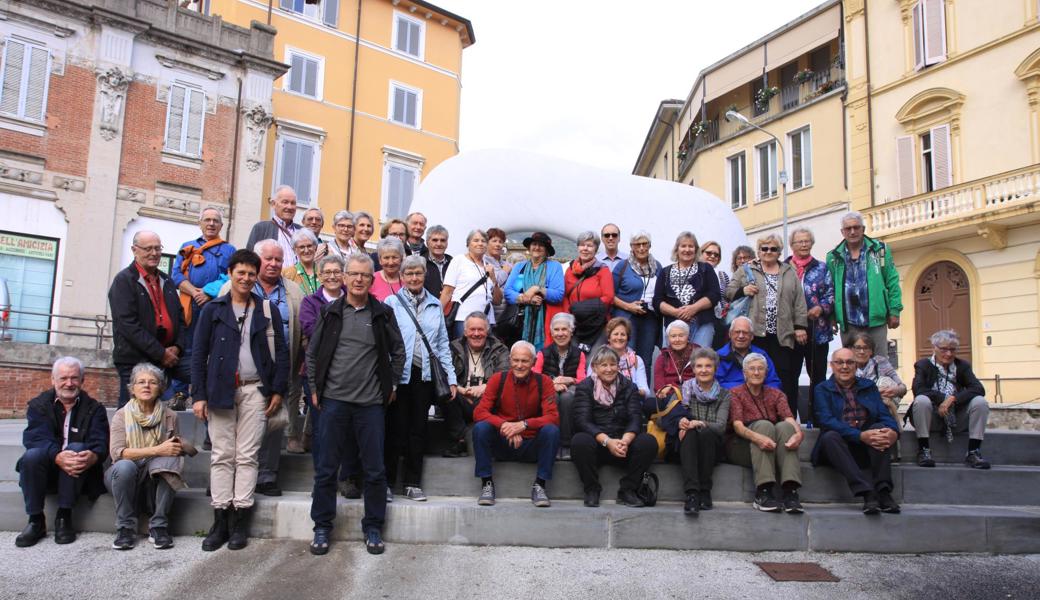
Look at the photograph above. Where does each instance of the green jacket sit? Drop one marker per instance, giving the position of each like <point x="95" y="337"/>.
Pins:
<point x="885" y="296"/>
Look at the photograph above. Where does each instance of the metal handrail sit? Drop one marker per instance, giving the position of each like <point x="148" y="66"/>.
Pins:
<point x="101" y="322"/>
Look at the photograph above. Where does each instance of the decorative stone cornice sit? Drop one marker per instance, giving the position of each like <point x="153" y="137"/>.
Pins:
<point x="932" y="106"/>
<point x="174" y="63"/>
<point x="40" y="24"/>
<point x="112" y="84"/>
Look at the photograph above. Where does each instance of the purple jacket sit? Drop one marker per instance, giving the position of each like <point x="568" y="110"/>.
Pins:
<point x="310" y="311"/>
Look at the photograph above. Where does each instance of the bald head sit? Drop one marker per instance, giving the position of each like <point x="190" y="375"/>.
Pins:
<point x="147" y="250"/>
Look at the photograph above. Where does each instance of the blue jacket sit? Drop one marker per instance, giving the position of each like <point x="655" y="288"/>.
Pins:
<point x="553" y="282"/>
<point x="214" y="359"/>
<point x="199" y="275"/>
<point x="730" y="372"/>
<point x="431" y="318"/>
<point x="628" y="285"/>
<point x="828" y="404"/>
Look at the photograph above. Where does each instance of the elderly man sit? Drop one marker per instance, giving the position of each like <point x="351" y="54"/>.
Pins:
<point x="867" y="296"/>
<point x="281" y="227"/>
<point x="354" y="357"/>
<point x="948" y="397"/>
<point x="856" y="433"/>
<point x="147" y="318"/>
<point x="476" y="356"/>
<point x="611" y="255"/>
<point x="199" y="262"/>
<point x="66" y="442"/>
<point x="437" y="245"/>
<point x="730" y="372"/>
<point x="416" y="223"/>
<point x="313" y="220"/>
<point x="517" y="420"/>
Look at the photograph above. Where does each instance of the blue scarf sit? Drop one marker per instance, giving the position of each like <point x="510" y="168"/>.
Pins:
<point x="534" y="316"/>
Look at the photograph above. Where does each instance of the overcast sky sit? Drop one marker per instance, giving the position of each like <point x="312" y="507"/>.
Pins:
<point x="582" y="80"/>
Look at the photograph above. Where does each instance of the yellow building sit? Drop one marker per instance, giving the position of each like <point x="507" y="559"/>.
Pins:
<point x="791" y="84"/>
<point x="370" y="104"/>
<point x="944" y="160"/>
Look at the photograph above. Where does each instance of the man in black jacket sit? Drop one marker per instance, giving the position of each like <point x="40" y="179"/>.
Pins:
<point x="66" y="442"/>
<point x="945" y="387"/>
<point x="437" y="259"/>
<point x="147" y="318"/>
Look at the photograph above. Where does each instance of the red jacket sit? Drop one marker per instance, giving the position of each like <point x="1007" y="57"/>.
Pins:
<point x="519" y="401"/>
<point x="600" y="285"/>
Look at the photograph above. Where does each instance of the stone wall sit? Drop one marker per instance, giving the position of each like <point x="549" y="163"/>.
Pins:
<point x="25" y="372"/>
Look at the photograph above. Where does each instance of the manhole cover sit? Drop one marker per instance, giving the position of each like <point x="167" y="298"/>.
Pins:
<point x="801" y="571"/>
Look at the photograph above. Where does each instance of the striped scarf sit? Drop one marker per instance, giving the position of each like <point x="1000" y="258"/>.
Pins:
<point x="144" y="430"/>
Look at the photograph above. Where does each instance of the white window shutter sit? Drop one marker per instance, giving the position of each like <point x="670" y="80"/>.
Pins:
<point x="330" y="12"/>
<point x="934" y="31"/>
<point x="36" y="85"/>
<point x="196" y="110"/>
<point x="942" y="163"/>
<point x="310" y="79"/>
<point x="401" y="43"/>
<point x="400" y="99"/>
<point x="411" y="106"/>
<point x="918" y="25"/>
<point x="290" y="158"/>
<point x="413" y="38"/>
<point x="304" y="173"/>
<point x="296" y="74"/>
<point x="806" y="157"/>
<point x="285" y="4"/>
<point x="905" y="166"/>
<point x="175" y="118"/>
<point x="14" y="57"/>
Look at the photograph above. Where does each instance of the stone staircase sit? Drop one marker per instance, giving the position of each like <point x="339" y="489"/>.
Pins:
<point x="946" y="509"/>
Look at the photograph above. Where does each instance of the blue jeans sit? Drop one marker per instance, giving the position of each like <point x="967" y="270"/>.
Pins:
<point x="645" y="338"/>
<point x="343" y="426"/>
<point x="37" y="473"/>
<point x="488" y="444"/>
<point x="702" y="334"/>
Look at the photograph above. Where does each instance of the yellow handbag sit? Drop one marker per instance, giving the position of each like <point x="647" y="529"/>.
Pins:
<point x="653" y="426"/>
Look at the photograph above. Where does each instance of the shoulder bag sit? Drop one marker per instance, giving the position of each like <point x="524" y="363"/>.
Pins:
<point x="654" y="426"/>
<point x="439" y="378"/>
<point x="280" y="419"/>
<point x="453" y="307"/>
<point x="741" y="306"/>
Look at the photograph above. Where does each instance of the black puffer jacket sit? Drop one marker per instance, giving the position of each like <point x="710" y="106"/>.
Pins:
<point x="624" y="416"/>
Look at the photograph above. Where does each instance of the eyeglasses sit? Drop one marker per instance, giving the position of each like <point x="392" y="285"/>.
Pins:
<point x="415" y="273"/>
<point x="148" y="382"/>
<point x="769" y="248"/>
<point x="739" y="332"/>
<point x="851" y="228"/>
<point x="305" y="247"/>
<point x="711" y="253"/>
<point x="149" y="249"/>
<point x="860" y="348"/>
<point x="332" y="274"/>
<point x="611" y="235"/>
<point x="640" y="244"/>
<point x="802" y="243"/>
<point x="358" y="274"/>
<point x="843" y="363"/>
<point x="942" y="349"/>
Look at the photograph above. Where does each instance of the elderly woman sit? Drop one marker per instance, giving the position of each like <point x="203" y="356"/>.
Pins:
<point x="878" y="369"/>
<point x="948" y="397"/>
<point x="694" y="430"/>
<point x="305" y="245"/>
<point x="343" y="245"/>
<point x="588" y="291"/>
<point x="630" y="364"/>
<point x="470" y="283"/>
<point x="364" y="228"/>
<point x="146" y="459"/>
<point x="564" y="361"/>
<point x="819" y="301"/>
<point x="711" y="253"/>
<point x="536" y="287"/>
<point x="387" y="280"/>
<point x="673" y="367"/>
<point x="777" y="311"/>
<point x="425" y="340"/>
<point x="688" y="291"/>
<point x="634" y="282"/>
<point x="609" y="428"/>
<point x="765" y="437"/>
<point x="395" y="228"/>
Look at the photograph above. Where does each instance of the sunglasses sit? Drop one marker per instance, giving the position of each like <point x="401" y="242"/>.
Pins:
<point x="769" y="248"/>
<point x="711" y="253"/>
<point x="611" y="235"/>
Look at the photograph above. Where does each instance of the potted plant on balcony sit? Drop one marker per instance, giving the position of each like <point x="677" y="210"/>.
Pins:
<point x="763" y="96"/>
<point x="803" y="76"/>
<point x="698" y="129"/>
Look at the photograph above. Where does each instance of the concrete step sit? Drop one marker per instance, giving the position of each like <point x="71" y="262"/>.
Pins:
<point x="731" y="526"/>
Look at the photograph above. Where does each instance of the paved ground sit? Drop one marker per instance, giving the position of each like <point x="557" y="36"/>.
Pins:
<point x="276" y="569"/>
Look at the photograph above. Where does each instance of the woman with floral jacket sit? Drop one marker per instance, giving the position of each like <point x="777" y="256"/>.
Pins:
<point x="819" y="299"/>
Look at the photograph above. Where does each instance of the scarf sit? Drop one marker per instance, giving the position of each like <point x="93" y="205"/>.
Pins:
<point x="603" y="394"/>
<point x="703" y="397"/>
<point x="627" y="363"/>
<point x="310" y="282"/>
<point x="534" y="316"/>
<point x="946" y="383"/>
<point x="646" y="270"/>
<point x="869" y="370"/>
<point x="800" y="264"/>
<point x="143" y="430"/>
<point x="679" y="279"/>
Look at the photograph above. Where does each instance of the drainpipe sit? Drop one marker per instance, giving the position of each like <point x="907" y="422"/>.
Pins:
<point x="234" y="163"/>
<point x="353" y="105"/>
<point x="870" y="112"/>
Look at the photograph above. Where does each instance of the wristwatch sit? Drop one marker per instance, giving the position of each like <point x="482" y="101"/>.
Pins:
<point x="525" y="424"/>
<point x="605" y="441"/>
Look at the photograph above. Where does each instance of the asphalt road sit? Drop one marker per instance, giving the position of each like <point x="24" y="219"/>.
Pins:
<point x="283" y="569"/>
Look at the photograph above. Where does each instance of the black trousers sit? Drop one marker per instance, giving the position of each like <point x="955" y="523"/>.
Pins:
<point x="587" y="455"/>
<point x="786" y="368"/>
<point x="458" y="413"/>
<point x="698" y="452"/>
<point x="815" y="358"/>
<point x="406" y="434"/>
<point x="851" y="458"/>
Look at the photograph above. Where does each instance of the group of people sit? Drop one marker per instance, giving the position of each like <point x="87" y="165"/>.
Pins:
<point x="613" y="358"/>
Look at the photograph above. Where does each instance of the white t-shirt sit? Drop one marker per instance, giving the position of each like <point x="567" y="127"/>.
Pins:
<point x="462" y="273"/>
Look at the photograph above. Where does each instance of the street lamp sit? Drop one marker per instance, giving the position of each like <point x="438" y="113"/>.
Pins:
<point x="733" y="115"/>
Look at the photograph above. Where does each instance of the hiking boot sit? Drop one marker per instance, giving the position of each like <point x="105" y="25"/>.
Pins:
<point x="974" y="460"/>
<point x="705" y="502"/>
<point x="792" y="504"/>
<point x="349" y="489"/>
<point x="538" y="496"/>
<point x="592" y="498"/>
<point x="871" y="504"/>
<point x="414" y="493"/>
<point x="160" y="538"/>
<point x="692" y="506"/>
<point x="487" y="494"/>
<point x="238" y="528"/>
<point x="888" y="503"/>
<point x="629" y="498"/>
<point x="125" y="539"/>
<point x="218" y="532"/>
<point x="456" y="449"/>
<point x="765" y="500"/>
<point x="924" y="458"/>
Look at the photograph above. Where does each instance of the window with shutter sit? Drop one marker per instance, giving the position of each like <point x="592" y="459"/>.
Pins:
<point x="399" y="190"/>
<point x="941" y="160"/>
<point x="185" y="119"/>
<point x="330" y="12"/>
<point x="800" y="143"/>
<point x="300" y="7"/>
<point x="304" y="74"/>
<point x="408" y="35"/>
<point x="297" y="160"/>
<point x="929" y="24"/>
<point x="766" y="157"/>
<point x="193" y="127"/>
<point x="905" y="175"/>
<point x="404" y="106"/>
<point x="26" y="75"/>
<point x="736" y="176"/>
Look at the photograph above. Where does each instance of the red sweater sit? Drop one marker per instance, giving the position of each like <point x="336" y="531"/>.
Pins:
<point x="600" y="285"/>
<point x="519" y="401"/>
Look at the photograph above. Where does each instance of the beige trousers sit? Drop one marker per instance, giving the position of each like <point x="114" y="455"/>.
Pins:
<point x="764" y="465"/>
<point x="236" y="435"/>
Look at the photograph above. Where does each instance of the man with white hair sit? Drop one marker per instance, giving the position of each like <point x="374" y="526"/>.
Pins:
<point x="281" y="226"/>
<point x="517" y="420"/>
<point x="414" y="244"/>
<point x="730" y="372"/>
<point x="66" y="440"/>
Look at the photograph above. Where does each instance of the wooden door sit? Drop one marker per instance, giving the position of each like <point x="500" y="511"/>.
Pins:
<point x="942" y="300"/>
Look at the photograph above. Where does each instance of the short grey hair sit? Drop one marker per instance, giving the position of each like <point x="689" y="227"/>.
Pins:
<point x="853" y="215"/>
<point x="945" y="336"/>
<point x="805" y="230"/>
<point x="413" y="214"/>
<point x="523" y="345"/>
<point x="474" y="233"/>
<point x="137" y="236"/>
<point x="202" y="213"/>
<point x="341" y="215"/>
<point x="433" y="230"/>
<point x="304" y="235"/>
<point x="279" y="190"/>
<point x="413" y="262"/>
<point x="603" y="354"/>
<point x="677" y="324"/>
<point x="67" y="361"/>
<point x="149" y="369"/>
<point x="750" y="323"/>
<point x="588" y="236"/>
<point x="478" y="315"/>
<point x="362" y="259"/>
<point x="640" y="235"/>
<point x="563" y="317"/>
<point x="331" y="258"/>
<point x="707" y="353"/>
<point x="258" y="248"/>
<point x="752" y="358"/>
<point x="364" y="215"/>
<point x="317" y="210"/>
<point x="389" y="245"/>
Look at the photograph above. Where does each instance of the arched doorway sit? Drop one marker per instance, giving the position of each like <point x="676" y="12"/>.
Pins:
<point x="942" y="300"/>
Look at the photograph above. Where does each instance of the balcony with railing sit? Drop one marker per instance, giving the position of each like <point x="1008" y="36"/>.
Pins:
<point x="989" y="198"/>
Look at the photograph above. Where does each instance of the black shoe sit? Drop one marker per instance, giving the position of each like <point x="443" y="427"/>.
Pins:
<point x="160" y="538"/>
<point x="33" y="532"/>
<point x="238" y="528"/>
<point x="456" y="450"/>
<point x="692" y="506"/>
<point x="765" y="500"/>
<point x="887" y="503"/>
<point x="705" y="500"/>
<point x="792" y="505"/>
<point x="924" y="458"/>
<point x="592" y="498"/>
<point x="320" y="544"/>
<point x="63" y="531"/>
<point x="349" y="489"/>
<point x="218" y="533"/>
<point x="269" y="488"/>
<point x="629" y="498"/>
<point x="871" y="504"/>
<point x="374" y="542"/>
<point x="974" y="460"/>
<point x="125" y="539"/>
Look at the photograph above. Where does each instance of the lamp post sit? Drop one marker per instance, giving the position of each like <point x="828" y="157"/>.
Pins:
<point x="734" y="115"/>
